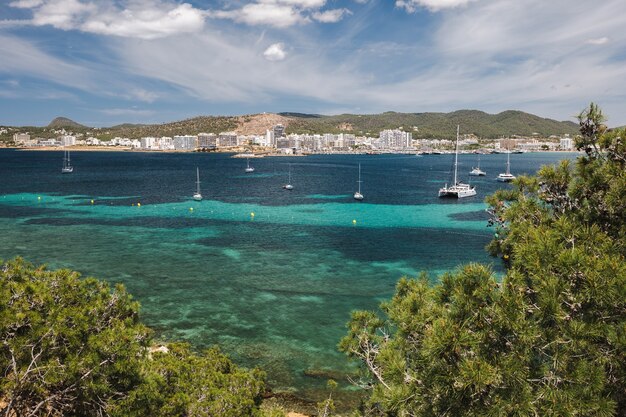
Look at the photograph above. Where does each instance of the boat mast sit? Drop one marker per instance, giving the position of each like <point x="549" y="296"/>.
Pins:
<point x="456" y="154"/>
<point x="198" y="179"/>
<point x="289" y="174"/>
<point x="359" y="181"/>
<point x="508" y="163"/>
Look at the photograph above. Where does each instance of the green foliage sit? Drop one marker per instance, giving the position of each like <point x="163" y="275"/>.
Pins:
<point x="325" y="408"/>
<point x="549" y="339"/>
<point x="435" y="125"/>
<point x="430" y="125"/>
<point x="68" y="346"/>
<point x="181" y="383"/>
<point x="74" y="347"/>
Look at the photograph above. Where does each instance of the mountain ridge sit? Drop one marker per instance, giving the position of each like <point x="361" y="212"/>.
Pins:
<point x="423" y="125"/>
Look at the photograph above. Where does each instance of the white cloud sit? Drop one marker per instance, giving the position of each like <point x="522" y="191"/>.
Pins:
<point x="26" y="4"/>
<point x="126" y="112"/>
<point x="146" y="19"/>
<point x="23" y="58"/>
<point x="281" y="13"/>
<point x="412" y="6"/>
<point x="278" y="15"/>
<point x="275" y="52"/>
<point x="331" y="16"/>
<point x="598" y="41"/>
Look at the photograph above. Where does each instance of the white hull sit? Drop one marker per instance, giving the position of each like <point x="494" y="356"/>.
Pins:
<point x="477" y="172"/>
<point x="197" y="197"/>
<point x="505" y="177"/>
<point x="67" y="170"/>
<point x="358" y="196"/>
<point x="457" y="191"/>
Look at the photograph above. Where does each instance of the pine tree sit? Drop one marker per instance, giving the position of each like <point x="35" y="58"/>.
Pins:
<point x="550" y="338"/>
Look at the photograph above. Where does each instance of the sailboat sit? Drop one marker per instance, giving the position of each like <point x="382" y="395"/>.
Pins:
<point x="358" y="195"/>
<point x="458" y="189"/>
<point x="477" y="172"/>
<point x="67" y="167"/>
<point x="249" y="168"/>
<point x="197" y="196"/>
<point x="288" y="186"/>
<point x="507" y="176"/>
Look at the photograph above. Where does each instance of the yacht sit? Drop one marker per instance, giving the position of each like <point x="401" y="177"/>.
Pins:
<point x="288" y="186"/>
<point x="197" y="196"/>
<point x="67" y="167"/>
<point x="477" y="172"/>
<point x="248" y="167"/>
<point x="357" y="194"/>
<point x="507" y="176"/>
<point x="458" y="189"/>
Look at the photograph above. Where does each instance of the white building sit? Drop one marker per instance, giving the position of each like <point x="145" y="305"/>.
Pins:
<point x="185" y="142"/>
<point x="567" y="144"/>
<point x="395" y="139"/>
<point x="207" y="140"/>
<point x="21" y="138"/>
<point x="68" y="140"/>
<point x="149" y="142"/>
<point x="270" y="139"/>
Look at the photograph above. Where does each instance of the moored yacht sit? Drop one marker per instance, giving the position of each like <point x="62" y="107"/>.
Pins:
<point x="248" y="167"/>
<point x="197" y="196"/>
<point x="357" y="194"/>
<point x="506" y="176"/>
<point x="288" y="186"/>
<point x="457" y="189"/>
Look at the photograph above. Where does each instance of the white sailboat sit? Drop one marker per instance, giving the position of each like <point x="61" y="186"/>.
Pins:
<point x="507" y="176"/>
<point x="477" y="172"/>
<point x="197" y="196"/>
<point x="358" y="195"/>
<point x="288" y="186"/>
<point x="458" y="189"/>
<point x="67" y="166"/>
<point x="248" y="167"/>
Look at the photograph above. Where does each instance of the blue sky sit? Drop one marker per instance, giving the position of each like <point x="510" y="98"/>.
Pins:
<point x="104" y="62"/>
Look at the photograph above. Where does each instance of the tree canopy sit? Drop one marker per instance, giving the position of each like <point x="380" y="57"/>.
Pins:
<point x="548" y="338"/>
<point x="75" y="347"/>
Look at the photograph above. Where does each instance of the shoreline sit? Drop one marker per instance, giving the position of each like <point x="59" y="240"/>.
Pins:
<point x="237" y="152"/>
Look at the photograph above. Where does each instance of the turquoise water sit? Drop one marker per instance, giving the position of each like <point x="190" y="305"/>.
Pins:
<point x="270" y="275"/>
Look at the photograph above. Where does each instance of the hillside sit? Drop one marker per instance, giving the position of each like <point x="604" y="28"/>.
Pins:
<point x="65" y="123"/>
<point x="429" y="125"/>
<point x="438" y="125"/>
<point x="422" y="125"/>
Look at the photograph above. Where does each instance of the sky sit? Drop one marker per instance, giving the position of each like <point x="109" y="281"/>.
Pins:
<point x="105" y="62"/>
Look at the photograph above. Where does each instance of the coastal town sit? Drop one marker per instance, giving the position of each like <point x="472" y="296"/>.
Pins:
<point x="276" y="142"/>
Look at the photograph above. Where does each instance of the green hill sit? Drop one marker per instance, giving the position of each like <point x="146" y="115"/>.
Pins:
<point x="65" y="123"/>
<point x="437" y="125"/>
<point x="422" y="125"/>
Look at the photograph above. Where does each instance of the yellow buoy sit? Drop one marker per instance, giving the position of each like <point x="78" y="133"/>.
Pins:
<point x="91" y="201"/>
<point x="39" y="198"/>
<point x="190" y="208"/>
<point x="138" y="204"/>
<point x="252" y="214"/>
<point x="354" y="221"/>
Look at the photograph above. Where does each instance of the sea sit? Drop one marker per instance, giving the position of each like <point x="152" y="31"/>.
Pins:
<point x="270" y="275"/>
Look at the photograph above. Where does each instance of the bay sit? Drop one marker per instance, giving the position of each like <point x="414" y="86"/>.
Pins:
<point x="269" y="275"/>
